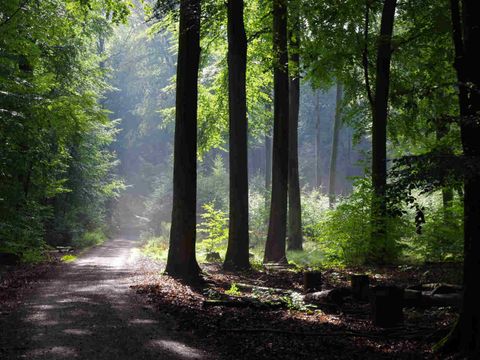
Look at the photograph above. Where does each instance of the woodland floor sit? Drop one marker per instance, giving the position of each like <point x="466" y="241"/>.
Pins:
<point x="113" y="303"/>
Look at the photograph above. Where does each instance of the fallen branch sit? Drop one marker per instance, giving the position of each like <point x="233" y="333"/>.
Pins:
<point x="385" y="334"/>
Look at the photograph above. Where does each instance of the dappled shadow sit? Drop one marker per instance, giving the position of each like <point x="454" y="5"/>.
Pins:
<point x="89" y="312"/>
<point x="261" y="333"/>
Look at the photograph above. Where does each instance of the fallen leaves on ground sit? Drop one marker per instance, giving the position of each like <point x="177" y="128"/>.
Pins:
<point x="341" y="332"/>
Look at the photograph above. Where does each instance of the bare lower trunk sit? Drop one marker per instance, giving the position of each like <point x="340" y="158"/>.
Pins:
<point x="237" y="256"/>
<point x="465" y="337"/>
<point x="277" y="227"/>
<point x="318" y="145"/>
<point x="379" y="243"/>
<point x="182" y="261"/>
<point x="337" y="124"/>
<point x="295" y="237"/>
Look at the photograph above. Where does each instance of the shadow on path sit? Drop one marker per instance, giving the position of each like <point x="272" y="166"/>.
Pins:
<point x="89" y="312"/>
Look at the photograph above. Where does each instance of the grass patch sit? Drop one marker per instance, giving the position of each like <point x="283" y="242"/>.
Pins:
<point x="68" y="258"/>
<point x="89" y="239"/>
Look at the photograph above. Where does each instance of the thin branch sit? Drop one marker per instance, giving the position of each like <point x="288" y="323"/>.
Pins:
<point x="14" y="13"/>
<point x="256" y="34"/>
<point x="365" y="56"/>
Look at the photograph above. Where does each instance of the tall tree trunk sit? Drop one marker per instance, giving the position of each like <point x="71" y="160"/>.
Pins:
<point x="465" y="338"/>
<point x="380" y="247"/>
<point x="318" y="145"/>
<point x="181" y="260"/>
<point x="237" y="256"/>
<point x="268" y="162"/>
<point x="337" y="124"/>
<point x="277" y="227"/>
<point x="447" y="193"/>
<point x="295" y="237"/>
<point x="268" y="168"/>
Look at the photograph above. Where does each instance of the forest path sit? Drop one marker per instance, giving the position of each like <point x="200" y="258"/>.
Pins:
<point x="88" y="311"/>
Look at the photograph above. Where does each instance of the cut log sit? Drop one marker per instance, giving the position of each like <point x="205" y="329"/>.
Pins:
<point x="244" y="303"/>
<point x="387" y="306"/>
<point x="64" y="249"/>
<point x="413" y="298"/>
<point x="312" y="281"/>
<point x="454" y="300"/>
<point x="360" y="287"/>
<point x="248" y="287"/>
<point x="333" y="296"/>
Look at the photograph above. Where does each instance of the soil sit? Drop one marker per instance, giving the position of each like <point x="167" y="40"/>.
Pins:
<point x="113" y="303"/>
<point x="86" y="310"/>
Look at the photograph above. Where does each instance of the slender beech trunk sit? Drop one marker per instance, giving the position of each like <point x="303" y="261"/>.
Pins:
<point x="277" y="227"/>
<point x="237" y="251"/>
<point x="181" y="261"/>
<point x="268" y="167"/>
<point x="318" y="145"/>
<point x="447" y="193"/>
<point x="465" y="338"/>
<point x="380" y="246"/>
<point x="295" y="237"/>
<point x="337" y="125"/>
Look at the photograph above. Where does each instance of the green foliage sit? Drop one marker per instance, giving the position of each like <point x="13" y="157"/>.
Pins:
<point x="214" y="228"/>
<point x="156" y="248"/>
<point x="156" y="245"/>
<point x="89" y="238"/>
<point x="34" y="255"/>
<point x="233" y="291"/>
<point x="68" y="258"/>
<point x="441" y="238"/>
<point x="344" y="233"/>
<point x="213" y="184"/>
<point x="55" y="165"/>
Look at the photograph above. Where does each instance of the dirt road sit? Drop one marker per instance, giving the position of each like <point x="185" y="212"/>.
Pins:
<point x="88" y="311"/>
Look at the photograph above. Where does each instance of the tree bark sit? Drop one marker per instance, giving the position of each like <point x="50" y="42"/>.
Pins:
<point x="268" y="161"/>
<point x="447" y="193"/>
<point x="181" y="260"/>
<point x="237" y="256"/>
<point x="380" y="247"/>
<point x="337" y="124"/>
<point x="277" y="227"/>
<point x="465" y="337"/>
<point x="318" y="145"/>
<point x="295" y="237"/>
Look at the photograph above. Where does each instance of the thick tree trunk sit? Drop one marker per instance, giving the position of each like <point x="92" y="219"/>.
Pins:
<point x="237" y="256"/>
<point x="465" y="337"/>
<point x="181" y="261"/>
<point x="337" y="124"/>
<point x="277" y="227"/>
<point x="295" y="237"/>
<point x="379" y="245"/>
<point x="318" y="145"/>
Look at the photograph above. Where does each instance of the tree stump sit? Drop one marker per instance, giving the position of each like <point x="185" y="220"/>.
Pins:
<point x="312" y="281"/>
<point x="360" y="287"/>
<point x="386" y="306"/>
<point x="413" y="298"/>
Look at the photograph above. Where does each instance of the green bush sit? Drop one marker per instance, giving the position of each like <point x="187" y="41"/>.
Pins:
<point x="89" y="238"/>
<point x="441" y="238"/>
<point x="343" y="234"/>
<point x="213" y="228"/>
